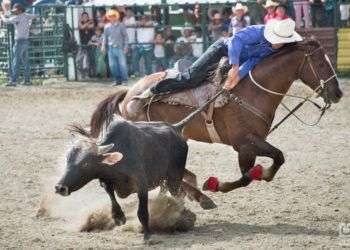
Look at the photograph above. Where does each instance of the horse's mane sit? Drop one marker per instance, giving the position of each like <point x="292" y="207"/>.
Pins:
<point x="217" y="73"/>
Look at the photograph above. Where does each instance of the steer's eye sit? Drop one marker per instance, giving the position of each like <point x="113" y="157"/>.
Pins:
<point x="85" y="165"/>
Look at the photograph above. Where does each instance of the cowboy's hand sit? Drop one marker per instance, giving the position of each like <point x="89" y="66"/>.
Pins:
<point x="232" y="78"/>
<point x="126" y="50"/>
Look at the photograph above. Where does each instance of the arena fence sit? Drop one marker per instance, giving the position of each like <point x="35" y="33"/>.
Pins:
<point x="52" y="54"/>
<point x="45" y="49"/>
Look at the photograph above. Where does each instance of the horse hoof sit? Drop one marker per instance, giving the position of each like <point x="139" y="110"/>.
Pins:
<point x="211" y="184"/>
<point x="206" y="203"/>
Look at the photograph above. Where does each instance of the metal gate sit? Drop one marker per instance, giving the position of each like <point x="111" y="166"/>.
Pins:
<point x="46" y="55"/>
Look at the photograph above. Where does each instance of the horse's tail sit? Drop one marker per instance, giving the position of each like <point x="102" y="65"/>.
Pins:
<point x="105" y="110"/>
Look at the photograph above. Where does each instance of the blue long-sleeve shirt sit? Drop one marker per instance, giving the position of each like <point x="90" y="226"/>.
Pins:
<point x="247" y="48"/>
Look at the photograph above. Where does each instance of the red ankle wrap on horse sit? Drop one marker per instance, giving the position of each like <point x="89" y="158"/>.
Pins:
<point x="256" y="172"/>
<point x="213" y="184"/>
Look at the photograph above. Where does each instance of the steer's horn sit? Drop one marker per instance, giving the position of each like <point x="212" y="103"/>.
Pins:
<point x="104" y="149"/>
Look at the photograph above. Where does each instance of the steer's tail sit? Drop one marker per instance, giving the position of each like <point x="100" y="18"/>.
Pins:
<point x="180" y="125"/>
<point x="105" y="110"/>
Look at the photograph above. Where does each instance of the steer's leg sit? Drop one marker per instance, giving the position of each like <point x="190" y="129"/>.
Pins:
<point x="247" y="153"/>
<point x="142" y="212"/>
<point x="117" y="212"/>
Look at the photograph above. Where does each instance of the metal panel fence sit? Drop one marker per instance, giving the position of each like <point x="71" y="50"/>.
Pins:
<point x="45" y="45"/>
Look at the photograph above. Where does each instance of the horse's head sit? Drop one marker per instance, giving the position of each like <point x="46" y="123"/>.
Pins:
<point x="317" y="72"/>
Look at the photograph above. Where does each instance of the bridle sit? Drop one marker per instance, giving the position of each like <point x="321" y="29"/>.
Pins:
<point x="307" y="59"/>
<point x="319" y="89"/>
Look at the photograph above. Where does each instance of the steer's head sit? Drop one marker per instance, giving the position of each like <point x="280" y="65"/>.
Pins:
<point x="85" y="161"/>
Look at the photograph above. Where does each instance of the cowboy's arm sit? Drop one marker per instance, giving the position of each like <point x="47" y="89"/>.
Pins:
<point x="248" y="36"/>
<point x="248" y="65"/>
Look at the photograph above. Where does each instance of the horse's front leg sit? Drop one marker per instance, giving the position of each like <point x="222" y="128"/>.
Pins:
<point x="254" y="146"/>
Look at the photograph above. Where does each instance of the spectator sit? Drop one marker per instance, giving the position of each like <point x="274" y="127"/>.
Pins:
<point x="197" y="46"/>
<point x="86" y="28"/>
<point x="281" y="12"/>
<point x="197" y="14"/>
<point x="302" y="8"/>
<point x="101" y="19"/>
<point x="329" y="6"/>
<point x="344" y="13"/>
<point x="159" y="53"/>
<point x="169" y="45"/>
<point x="130" y="23"/>
<point x="215" y="27"/>
<point x="116" y="38"/>
<point x="226" y="18"/>
<point x="22" y="22"/>
<point x="270" y="7"/>
<point x="317" y="13"/>
<point x="256" y="12"/>
<point x="239" y="20"/>
<point x="85" y="57"/>
<point x="289" y="6"/>
<point x="183" y="48"/>
<point x="156" y="14"/>
<point x="99" y="57"/>
<point x="145" y="33"/>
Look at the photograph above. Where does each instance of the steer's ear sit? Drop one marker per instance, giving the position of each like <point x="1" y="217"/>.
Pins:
<point x="112" y="158"/>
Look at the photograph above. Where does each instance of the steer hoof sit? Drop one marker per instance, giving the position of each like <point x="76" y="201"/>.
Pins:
<point x="206" y="203"/>
<point x="119" y="219"/>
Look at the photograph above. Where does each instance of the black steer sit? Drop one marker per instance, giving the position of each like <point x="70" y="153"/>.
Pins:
<point x="132" y="158"/>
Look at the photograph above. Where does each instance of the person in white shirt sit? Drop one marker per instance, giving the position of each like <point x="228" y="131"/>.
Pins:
<point x="197" y="46"/>
<point x="159" y="53"/>
<point x="145" y="33"/>
<point x="22" y="22"/>
<point x="184" y="44"/>
<point x="130" y="24"/>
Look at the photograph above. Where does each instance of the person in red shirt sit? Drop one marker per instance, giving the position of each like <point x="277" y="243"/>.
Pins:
<point x="270" y="6"/>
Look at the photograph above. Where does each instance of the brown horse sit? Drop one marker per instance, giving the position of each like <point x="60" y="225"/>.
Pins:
<point x="244" y="130"/>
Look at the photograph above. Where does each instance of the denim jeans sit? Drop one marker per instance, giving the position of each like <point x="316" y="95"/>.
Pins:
<point x="20" y="54"/>
<point x="194" y="75"/>
<point x="117" y="64"/>
<point x="302" y="8"/>
<point x="147" y="55"/>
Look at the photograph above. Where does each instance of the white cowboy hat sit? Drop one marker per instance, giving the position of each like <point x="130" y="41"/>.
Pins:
<point x="239" y="6"/>
<point x="270" y="3"/>
<point x="281" y="31"/>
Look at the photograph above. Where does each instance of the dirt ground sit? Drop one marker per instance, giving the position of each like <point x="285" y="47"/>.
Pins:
<point x="302" y="208"/>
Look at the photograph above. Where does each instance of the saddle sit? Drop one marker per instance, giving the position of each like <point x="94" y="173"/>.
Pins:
<point x="196" y="97"/>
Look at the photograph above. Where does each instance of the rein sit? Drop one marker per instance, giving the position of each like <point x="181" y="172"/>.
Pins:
<point x="320" y="88"/>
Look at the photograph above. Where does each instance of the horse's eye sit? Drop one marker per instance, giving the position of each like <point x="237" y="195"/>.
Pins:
<point x="85" y="165"/>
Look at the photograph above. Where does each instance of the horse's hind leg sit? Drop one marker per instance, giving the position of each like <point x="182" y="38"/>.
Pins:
<point x="247" y="153"/>
<point x="194" y="194"/>
<point x="190" y="178"/>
